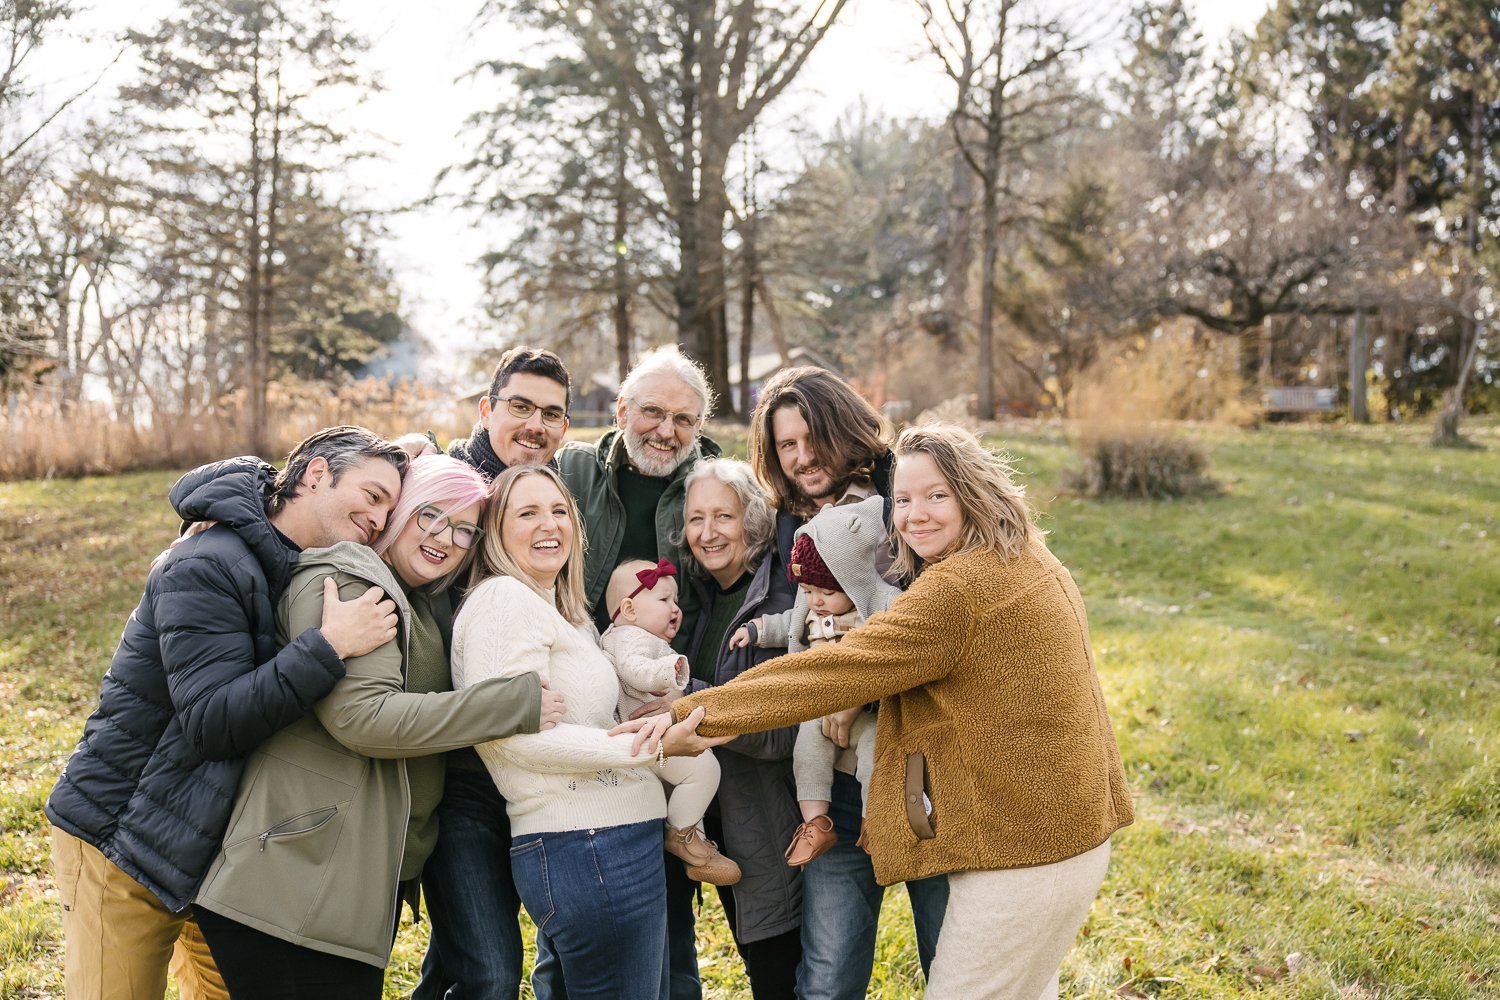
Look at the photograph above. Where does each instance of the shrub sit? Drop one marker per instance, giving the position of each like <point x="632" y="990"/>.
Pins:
<point x="1152" y="463"/>
<point x="1123" y="408"/>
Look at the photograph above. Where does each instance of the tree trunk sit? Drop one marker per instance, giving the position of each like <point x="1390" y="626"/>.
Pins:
<point x="686" y="287"/>
<point x="1263" y="372"/>
<point x="747" y="314"/>
<point x="1359" y="364"/>
<point x="1445" y="433"/>
<point x="713" y="291"/>
<point x="262" y="431"/>
<point x="255" y="376"/>
<point x="621" y="307"/>
<point x="959" y="253"/>
<point x="773" y="320"/>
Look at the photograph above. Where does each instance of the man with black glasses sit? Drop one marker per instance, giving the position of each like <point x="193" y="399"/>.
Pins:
<point x="524" y="416"/>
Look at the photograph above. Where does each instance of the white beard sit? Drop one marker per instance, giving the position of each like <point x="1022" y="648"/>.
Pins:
<point x="649" y="461"/>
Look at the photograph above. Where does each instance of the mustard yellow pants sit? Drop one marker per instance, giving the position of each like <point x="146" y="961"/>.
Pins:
<point x="119" y="940"/>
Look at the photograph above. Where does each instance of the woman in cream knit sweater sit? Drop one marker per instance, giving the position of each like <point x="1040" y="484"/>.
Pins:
<point x="585" y="811"/>
<point x="995" y="761"/>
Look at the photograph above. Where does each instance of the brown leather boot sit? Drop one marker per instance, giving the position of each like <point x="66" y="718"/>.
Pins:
<point x="811" y="840"/>
<point x="702" y="857"/>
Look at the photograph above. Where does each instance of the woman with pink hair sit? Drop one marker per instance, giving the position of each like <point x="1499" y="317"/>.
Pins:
<point x="335" y="816"/>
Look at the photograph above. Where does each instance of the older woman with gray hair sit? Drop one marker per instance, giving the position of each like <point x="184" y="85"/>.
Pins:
<point x="729" y="534"/>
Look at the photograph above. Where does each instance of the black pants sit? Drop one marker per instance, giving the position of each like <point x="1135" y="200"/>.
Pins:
<point x="771" y="963"/>
<point x="257" y="966"/>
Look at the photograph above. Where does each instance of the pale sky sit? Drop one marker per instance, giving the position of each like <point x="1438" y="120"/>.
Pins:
<point x="418" y="51"/>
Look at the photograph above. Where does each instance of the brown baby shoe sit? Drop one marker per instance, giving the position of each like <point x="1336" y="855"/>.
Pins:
<point x="811" y="840"/>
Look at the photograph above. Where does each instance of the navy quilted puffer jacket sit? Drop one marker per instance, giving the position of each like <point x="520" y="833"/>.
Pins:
<point x="196" y="683"/>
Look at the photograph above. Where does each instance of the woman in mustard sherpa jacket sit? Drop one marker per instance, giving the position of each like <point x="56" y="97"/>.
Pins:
<point x="995" y="761"/>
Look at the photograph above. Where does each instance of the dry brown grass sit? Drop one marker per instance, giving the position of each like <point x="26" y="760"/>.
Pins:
<point x="44" y="439"/>
<point x="1128" y="410"/>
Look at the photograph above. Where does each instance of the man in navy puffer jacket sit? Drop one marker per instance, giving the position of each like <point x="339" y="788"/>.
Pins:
<point x="196" y="683"/>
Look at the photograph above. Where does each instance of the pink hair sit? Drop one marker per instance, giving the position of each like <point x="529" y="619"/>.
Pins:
<point x="435" y="481"/>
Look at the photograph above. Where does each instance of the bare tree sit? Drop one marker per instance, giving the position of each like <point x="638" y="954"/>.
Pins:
<point x="1008" y="61"/>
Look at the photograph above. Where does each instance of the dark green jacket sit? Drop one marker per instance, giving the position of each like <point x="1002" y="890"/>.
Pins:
<point x="314" y="847"/>
<point x="591" y="472"/>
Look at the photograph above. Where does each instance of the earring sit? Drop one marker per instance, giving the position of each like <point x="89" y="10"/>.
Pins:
<point x="315" y="487"/>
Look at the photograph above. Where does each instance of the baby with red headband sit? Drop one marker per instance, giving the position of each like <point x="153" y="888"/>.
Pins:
<point x="644" y="617"/>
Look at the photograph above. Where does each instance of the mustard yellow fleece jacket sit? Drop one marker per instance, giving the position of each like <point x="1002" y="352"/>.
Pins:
<point x="989" y="705"/>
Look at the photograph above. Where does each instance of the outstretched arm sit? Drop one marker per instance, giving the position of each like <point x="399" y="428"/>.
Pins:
<point x="909" y="645"/>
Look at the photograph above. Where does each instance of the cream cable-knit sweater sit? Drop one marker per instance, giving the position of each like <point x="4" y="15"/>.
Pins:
<point x="573" y="776"/>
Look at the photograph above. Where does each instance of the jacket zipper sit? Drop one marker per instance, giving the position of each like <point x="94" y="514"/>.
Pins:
<point x="325" y="814"/>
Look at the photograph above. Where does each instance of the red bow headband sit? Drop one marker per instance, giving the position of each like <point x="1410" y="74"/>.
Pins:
<point x="648" y="578"/>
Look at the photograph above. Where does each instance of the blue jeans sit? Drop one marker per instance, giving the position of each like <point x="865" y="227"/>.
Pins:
<point x="841" y="908"/>
<point x="600" y="897"/>
<point x="475" y="949"/>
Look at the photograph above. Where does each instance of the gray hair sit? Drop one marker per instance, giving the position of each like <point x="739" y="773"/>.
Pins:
<point x="760" y="518"/>
<point x="668" y="360"/>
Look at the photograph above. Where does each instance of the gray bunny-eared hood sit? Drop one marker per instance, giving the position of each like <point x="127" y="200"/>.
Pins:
<point x="848" y="538"/>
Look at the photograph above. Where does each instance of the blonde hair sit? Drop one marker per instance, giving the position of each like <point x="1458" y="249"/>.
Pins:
<point x="495" y="561"/>
<point x="997" y="517"/>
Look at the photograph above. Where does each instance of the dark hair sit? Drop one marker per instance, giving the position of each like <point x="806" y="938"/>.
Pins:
<point x="847" y="435"/>
<point x="342" y="448"/>
<point x="531" y="361"/>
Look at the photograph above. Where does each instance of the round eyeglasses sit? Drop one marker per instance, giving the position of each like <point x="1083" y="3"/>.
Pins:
<point x="434" y="522"/>
<point x="656" y="416"/>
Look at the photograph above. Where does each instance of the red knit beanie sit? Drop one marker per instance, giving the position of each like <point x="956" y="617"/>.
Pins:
<point x="808" y="567"/>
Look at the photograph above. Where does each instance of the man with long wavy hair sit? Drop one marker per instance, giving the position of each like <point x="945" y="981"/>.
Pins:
<point x="814" y="441"/>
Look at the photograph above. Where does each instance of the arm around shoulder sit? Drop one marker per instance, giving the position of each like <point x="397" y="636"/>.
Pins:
<point x="226" y="702"/>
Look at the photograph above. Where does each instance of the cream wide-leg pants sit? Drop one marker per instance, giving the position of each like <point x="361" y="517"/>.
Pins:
<point x="1005" y="932"/>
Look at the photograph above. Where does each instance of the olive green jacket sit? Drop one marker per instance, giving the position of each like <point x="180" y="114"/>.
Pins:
<point x="591" y="472"/>
<point x="314" y="845"/>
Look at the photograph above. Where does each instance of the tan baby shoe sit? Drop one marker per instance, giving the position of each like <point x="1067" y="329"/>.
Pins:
<point x="702" y="857"/>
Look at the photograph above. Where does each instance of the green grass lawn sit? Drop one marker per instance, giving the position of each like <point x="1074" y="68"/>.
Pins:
<point x="1303" y="674"/>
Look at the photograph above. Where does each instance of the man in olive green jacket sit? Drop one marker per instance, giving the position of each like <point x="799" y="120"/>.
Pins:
<point x="630" y="492"/>
<point x="629" y="484"/>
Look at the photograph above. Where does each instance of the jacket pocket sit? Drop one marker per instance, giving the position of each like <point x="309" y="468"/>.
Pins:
<point x="917" y="794"/>
<point x="308" y="822"/>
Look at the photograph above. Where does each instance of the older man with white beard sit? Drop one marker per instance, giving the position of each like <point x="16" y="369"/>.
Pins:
<point x="630" y="492"/>
<point x="629" y="485"/>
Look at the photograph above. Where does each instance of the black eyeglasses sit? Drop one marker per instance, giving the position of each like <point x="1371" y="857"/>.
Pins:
<point x="657" y="416"/>
<point x="522" y="408"/>
<point x="434" y="522"/>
